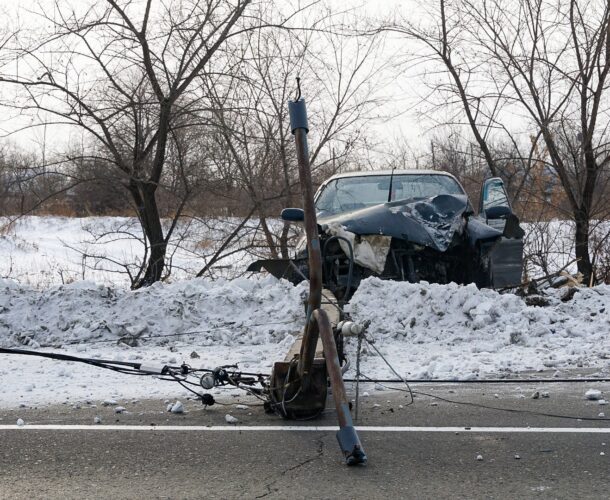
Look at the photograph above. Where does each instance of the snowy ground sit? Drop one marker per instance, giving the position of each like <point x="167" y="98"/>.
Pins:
<point x="424" y="330"/>
<point x="45" y="251"/>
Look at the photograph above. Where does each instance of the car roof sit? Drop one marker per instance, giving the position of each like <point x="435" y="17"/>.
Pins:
<point x="412" y="171"/>
<point x="370" y="173"/>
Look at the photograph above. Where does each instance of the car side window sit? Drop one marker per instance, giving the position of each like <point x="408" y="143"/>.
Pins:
<point x="494" y="200"/>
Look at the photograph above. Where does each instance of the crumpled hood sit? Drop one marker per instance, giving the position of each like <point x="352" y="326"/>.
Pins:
<point x="430" y="222"/>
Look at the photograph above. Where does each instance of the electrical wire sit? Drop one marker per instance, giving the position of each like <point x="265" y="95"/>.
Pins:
<point x="495" y="408"/>
<point x="168" y="335"/>
<point x="177" y="374"/>
<point x="486" y="381"/>
<point x="181" y="382"/>
<point x="171" y="375"/>
<point x="467" y="403"/>
<point x="369" y="342"/>
<point x="282" y="404"/>
<point x="121" y="366"/>
<point x="513" y="410"/>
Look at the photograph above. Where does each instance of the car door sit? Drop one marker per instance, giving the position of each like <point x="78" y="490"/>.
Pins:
<point x="506" y="258"/>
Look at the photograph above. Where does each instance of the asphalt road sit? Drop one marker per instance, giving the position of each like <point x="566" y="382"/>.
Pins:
<point x="518" y="461"/>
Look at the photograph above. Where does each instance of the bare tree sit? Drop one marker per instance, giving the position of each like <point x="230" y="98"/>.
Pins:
<point x="444" y="39"/>
<point x="338" y="75"/>
<point x="555" y="59"/>
<point x="543" y="60"/>
<point x="462" y="95"/>
<point x="124" y="73"/>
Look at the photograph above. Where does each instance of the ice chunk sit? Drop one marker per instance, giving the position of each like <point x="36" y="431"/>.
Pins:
<point x="593" y="394"/>
<point x="177" y="407"/>
<point x="230" y="419"/>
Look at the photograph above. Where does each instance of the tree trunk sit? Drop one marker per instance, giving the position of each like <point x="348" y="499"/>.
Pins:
<point x="581" y="240"/>
<point x="284" y="240"/>
<point x="144" y="196"/>
<point x="268" y="236"/>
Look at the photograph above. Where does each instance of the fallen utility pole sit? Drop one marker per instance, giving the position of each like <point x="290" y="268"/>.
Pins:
<point x="299" y="385"/>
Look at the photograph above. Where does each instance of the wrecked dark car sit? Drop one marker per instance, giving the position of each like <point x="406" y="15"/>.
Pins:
<point x="408" y="225"/>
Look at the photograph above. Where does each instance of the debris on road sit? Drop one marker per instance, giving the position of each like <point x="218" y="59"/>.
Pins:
<point x="593" y="394"/>
<point x="176" y="407"/>
<point x="230" y="419"/>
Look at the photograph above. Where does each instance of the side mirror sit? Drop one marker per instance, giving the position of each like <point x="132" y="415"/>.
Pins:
<point x="497" y="212"/>
<point x="494" y="202"/>
<point x="293" y="215"/>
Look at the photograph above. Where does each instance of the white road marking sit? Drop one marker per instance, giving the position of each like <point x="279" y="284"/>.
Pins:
<point x="304" y="428"/>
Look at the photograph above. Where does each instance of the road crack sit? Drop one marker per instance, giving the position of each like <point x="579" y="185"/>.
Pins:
<point x="319" y="454"/>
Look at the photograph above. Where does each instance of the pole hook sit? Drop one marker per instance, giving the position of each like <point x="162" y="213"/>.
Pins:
<point x="298" y="89"/>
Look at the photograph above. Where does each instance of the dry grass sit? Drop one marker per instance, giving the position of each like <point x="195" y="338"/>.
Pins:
<point x="204" y="244"/>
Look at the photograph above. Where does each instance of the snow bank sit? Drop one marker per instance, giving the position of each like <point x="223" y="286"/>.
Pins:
<point x="424" y="330"/>
<point x="438" y="331"/>
<point x="242" y="311"/>
<point x="203" y="323"/>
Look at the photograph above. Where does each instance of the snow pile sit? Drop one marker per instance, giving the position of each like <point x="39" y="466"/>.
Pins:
<point x="438" y="331"/>
<point x="242" y="311"/>
<point x="423" y="330"/>
<point x="247" y="321"/>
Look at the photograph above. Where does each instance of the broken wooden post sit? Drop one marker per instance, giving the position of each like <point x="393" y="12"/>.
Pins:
<point x="299" y="384"/>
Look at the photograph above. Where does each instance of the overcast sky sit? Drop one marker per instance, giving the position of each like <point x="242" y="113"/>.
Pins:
<point x="402" y="120"/>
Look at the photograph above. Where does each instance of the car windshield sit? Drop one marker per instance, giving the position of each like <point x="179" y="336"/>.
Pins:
<point x="353" y="193"/>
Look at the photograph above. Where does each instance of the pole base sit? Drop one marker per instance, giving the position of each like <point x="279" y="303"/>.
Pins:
<point x="351" y="446"/>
